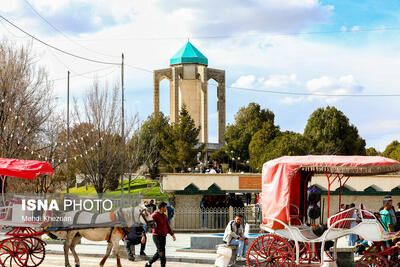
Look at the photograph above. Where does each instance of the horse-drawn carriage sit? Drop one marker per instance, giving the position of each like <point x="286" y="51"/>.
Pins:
<point x="291" y="239"/>
<point x="23" y="246"/>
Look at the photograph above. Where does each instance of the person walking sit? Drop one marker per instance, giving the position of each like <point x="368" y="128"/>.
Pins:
<point x="160" y="234"/>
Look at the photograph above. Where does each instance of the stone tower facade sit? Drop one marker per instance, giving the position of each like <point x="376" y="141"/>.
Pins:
<point x="189" y="75"/>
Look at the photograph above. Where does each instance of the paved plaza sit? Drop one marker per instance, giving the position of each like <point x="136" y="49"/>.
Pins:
<point x="90" y="253"/>
<point x="58" y="260"/>
<point x="89" y="248"/>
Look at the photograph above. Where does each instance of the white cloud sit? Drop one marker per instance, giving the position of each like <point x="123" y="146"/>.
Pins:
<point x="382" y="126"/>
<point x="330" y="85"/>
<point x="292" y="100"/>
<point x="247" y="81"/>
<point x="9" y="6"/>
<point x="326" y="85"/>
<point x="273" y="81"/>
<point x="355" y="28"/>
<point x="281" y="81"/>
<point x="236" y="16"/>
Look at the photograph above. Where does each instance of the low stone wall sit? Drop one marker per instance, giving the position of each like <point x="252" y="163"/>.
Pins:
<point x="210" y="241"/>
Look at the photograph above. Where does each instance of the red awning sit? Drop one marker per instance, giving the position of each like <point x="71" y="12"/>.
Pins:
<point x="26" y="169"/>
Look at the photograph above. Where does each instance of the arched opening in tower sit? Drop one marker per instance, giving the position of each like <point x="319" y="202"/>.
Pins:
<point x="165" y="96"/>
<point x="212" y="111"/>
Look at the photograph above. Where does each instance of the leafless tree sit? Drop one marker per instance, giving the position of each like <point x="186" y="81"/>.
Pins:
<point x="51" y="147"/>
<point x="26" y="101"/>
<point x="100" y="150"/>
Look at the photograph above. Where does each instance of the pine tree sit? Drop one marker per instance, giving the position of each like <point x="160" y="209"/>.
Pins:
<point x="181" y="145"/>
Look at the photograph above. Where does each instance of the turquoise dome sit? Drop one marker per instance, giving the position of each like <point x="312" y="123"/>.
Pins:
<point x="188" y="54"/>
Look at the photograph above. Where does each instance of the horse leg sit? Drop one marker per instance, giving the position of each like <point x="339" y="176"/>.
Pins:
<point x="77" y="238"/>
<point x="116" y="249"/>
<point x="108" y="251"/>
<point x="67" y="244"/>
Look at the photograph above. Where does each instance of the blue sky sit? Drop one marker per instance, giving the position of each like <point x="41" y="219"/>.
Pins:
<point x="250" y="41"/>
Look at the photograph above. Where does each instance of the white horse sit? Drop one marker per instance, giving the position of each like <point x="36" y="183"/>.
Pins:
<point x="113" y="235"/>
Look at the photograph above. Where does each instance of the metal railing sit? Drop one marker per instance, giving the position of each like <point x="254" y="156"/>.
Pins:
<point x="196" y="219"/>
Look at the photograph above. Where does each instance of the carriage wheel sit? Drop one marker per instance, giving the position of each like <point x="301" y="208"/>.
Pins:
<point x="36" y="251"/>
<point x="372" y="260"/>
<point x="270" y="250"/>
<point x="13" y="252"/>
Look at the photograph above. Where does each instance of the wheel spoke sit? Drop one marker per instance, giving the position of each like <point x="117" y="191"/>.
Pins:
<point x="270" y="250"/>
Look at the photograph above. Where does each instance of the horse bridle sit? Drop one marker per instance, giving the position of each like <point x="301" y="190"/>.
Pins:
<point x="141" y="213"/>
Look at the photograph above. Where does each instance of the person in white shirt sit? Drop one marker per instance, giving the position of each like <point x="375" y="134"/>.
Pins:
<point x="234" y="235"/>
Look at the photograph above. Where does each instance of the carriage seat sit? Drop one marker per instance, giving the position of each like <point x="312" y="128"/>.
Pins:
<point x="366" y="214"/>
<point x="341" y="220"/>
<point x="6" y="211"/>
<point x="295" y="216"/>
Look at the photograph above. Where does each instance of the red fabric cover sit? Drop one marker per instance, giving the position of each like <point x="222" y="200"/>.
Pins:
<point x="281" y="181"/>
<point x="26" y="169"/>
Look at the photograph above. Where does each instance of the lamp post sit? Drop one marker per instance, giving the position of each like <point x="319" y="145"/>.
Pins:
<point x="234" y="164"/>
<point x="248" y="163"/>
<point x="232" y="159"/>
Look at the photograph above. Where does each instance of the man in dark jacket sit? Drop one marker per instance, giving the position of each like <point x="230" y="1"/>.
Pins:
<point x="136" y="236"/>
<point x="151" y="206"/>
<point x="160" y="234"/>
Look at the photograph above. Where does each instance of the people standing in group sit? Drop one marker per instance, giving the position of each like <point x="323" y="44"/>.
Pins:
<point x="217" y="167"/>
<point x="151" y="206"/>
<point x="234" y="235"/>
<point x="136" y="235"/>
<point x="212" y="168"/>
<point x="160" y="234"/>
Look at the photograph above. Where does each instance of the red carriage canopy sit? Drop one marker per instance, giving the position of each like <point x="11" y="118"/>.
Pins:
<point x="26" y="169"/>
<point x="281" y="179"/>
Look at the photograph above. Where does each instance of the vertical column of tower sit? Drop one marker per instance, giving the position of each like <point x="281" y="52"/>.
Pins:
<point x="202" y="71"/>
<point x="221" y="107"/>
<point x="174" y="93"/>
<point x="156" y="92"/>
